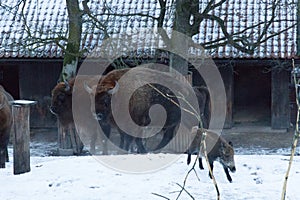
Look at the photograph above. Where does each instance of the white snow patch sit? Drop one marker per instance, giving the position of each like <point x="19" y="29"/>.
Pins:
<point x="257" y="177"/>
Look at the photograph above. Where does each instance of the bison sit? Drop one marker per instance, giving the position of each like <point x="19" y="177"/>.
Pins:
<point x="218" y="149"/>
<point x="61" y="106"/>
<point x="5" y="125"/>
<point x="139" y="104"/>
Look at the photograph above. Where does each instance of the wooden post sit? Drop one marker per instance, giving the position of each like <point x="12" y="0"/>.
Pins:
<point x="280" y="99"/>
<point x="227" y="75"/>
<point x="21" y="152"/>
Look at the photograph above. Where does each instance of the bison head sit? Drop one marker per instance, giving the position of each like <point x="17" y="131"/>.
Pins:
<point x="101" y="99"/>
<point x="61" y="102"/>
<point x="227" y="156"/>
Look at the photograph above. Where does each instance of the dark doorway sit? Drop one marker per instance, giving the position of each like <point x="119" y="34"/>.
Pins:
<point x="9" y="79"/>
<point x="252" y="96"/>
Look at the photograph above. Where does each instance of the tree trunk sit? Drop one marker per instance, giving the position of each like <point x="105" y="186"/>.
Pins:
<point x="68" y="140"/>
<point x="181" y="25"/>
<point x="74" y="38"/>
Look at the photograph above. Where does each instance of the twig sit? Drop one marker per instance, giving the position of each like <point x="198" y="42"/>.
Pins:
<point x="183" y="189"/>
<point x="296" y="136"/>
<point x="160" y="196"/>
<point x="169" y="97"/>
<point x="186" y="177"/>
<point x="203" y="144"/>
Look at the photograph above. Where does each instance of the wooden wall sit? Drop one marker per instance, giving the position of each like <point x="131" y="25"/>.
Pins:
<point x="35" y="78"/>
<point x="280" y="99"/>
<point x="32" y="79"/>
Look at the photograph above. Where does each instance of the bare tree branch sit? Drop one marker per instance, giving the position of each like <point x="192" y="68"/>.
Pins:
<point x="183" y="189"/>
<point x="160" y="196"/>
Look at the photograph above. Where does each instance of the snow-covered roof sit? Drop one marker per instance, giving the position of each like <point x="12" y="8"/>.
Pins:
<point x="48" y="19"/>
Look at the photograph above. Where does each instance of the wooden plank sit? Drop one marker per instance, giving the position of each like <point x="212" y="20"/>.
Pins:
<point x="280" y="99"/>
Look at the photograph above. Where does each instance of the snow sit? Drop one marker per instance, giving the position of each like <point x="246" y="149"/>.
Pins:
<point x="23" y="102"/>
<point x="257" y="177"/>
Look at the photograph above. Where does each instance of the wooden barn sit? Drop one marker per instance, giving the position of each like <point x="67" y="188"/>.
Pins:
<point x="257" y="85"/>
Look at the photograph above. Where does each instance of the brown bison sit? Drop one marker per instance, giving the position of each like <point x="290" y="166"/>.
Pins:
<point x="5" y="125"/>
<point x="139" y="104"/>
<point x="61" y="106"/>
<point x="217" y="149"/>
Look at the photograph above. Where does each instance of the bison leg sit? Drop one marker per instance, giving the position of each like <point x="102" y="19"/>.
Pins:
<point x="200" y="163"/>
<point x="6" y="155"/>
<point x="211" y="164"/>
<point x="93" y="143"/>
<point x="227" y="174"/>
<point x="140" y="145"/>
<point x="126" y="141"/>
<point x="167" y="137"/>
<point x="123" y="144"/>
<point x="106" y="130"/>
<point x="2" y="158"/>
<point x="188" y="159"/>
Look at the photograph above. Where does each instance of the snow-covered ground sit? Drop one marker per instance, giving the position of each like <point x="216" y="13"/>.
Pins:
<point x="257" y="177"/>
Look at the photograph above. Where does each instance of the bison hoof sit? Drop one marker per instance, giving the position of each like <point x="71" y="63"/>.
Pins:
<point x="188" y="162"/>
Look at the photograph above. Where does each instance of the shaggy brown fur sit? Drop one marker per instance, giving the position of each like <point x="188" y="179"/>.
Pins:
<point x="5" y="126"/>
<point x="140" y="102"/>
<point x="217" y="149"/>
<point x="61" y="106"/>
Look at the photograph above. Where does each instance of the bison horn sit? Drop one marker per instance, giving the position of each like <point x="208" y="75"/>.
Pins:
<point x="67" y="88"/>
<point x="114" y="89"/>
<point x="2" y="103"/>
<point x="87" y="87"/>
